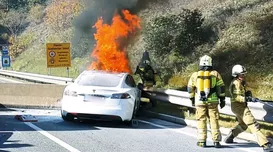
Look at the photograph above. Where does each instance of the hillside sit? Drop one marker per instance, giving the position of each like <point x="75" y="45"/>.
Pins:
<point x="237" y="32"/>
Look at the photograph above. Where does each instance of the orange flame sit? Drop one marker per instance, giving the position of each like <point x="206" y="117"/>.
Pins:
<point x="109" y="52"/>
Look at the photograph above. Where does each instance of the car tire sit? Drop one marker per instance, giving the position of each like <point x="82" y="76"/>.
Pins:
<point x="67" y="117"/>
<point x="154" y="103"/>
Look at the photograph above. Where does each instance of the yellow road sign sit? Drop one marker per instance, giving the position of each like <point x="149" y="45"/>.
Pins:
<point x="58" y="55"/>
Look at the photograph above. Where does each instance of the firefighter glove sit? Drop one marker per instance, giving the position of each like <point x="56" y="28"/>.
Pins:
<point x="192" y="101"/>
<point x="222" y="102"/>
<point x="248" y="94"/>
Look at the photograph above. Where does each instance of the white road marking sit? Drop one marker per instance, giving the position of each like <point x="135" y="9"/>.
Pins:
<point x="53" y="138"/>
<point x="190" y="134"/>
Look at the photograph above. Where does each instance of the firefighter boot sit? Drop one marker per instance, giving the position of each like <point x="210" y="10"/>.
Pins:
<point x="217" y="144"/>
<point x="229" y="138"/>
<point x="268" y="147"/>
<point x="201" y="144"/>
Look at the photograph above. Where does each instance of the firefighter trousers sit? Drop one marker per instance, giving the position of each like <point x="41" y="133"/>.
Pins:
<point x="246" y="120"/>
<point x="210" y="111"/>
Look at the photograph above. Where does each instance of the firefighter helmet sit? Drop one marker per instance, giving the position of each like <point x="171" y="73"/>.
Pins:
<point x="238" y="69"/>
<point x="205" y="61"/>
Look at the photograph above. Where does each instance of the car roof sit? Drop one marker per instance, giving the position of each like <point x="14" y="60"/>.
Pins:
<point x="121" y="74"/>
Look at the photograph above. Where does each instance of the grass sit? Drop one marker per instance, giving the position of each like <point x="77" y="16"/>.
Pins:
<point x="225" y="121"/>
<point x="243" y="34"/>
<point x="35" y="62"/>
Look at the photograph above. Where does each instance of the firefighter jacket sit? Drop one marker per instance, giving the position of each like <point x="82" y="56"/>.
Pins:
<point x="217" y="87"/>
<point x="237" y="91"/>
<point x="147" y="75"/>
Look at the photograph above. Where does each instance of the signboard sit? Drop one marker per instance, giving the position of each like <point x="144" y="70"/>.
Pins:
<point x="58" y="55"/>
<point x="5" y="50"/>
<point x="5" y="61"/>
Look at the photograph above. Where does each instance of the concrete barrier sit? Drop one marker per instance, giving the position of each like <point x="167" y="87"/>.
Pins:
<point x="30" y="95"/>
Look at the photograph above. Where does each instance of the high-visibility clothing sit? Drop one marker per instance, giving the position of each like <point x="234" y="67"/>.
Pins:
<point x="242" y="112"/>
<point x="217" y="87"/>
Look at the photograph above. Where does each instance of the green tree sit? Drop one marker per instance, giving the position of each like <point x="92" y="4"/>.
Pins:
<point x="36" y="13"/>
<point x="26" y="4"/>
<point x="14" y="21"/>
<point x="60" y="13"/>
<point x="174" y="37"/>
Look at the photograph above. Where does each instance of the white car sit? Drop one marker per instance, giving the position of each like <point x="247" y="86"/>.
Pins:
<point x="101" y="95"/>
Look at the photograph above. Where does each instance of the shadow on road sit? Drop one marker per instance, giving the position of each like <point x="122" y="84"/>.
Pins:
<point x="241" y="145"/>
<point x="3" y="108"/>
<point x="5" y="143"/>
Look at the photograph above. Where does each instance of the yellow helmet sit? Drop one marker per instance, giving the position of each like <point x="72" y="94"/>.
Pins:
<point x="205" y="61"/>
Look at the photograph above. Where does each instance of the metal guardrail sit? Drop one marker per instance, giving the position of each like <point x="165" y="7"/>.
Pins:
<point x="262" y="111"/>
<point x="38" y="78"/>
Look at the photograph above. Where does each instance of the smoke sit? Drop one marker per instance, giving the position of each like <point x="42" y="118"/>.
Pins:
<point x="83" y="38"/>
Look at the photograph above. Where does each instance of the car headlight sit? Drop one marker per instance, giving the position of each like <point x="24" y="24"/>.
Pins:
<point x="120" y="96"/>
<point x="70" y="93"/>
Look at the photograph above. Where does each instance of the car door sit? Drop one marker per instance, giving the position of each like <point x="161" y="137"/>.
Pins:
<point x="131" y="83"/>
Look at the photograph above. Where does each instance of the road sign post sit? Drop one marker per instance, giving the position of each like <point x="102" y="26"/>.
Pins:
<point x="58" y="55"/>
<point x="5" y="58"/>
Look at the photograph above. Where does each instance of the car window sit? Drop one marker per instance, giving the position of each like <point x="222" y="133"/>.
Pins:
<point x="130" y="81"/>
<point x="99" y="79"/>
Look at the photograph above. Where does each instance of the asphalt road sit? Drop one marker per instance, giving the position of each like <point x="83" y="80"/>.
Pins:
<point x="52" y="134"/>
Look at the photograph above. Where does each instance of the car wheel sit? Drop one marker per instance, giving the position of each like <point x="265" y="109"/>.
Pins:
<point x="67" y="117"/>
<point x="153" y="102"/>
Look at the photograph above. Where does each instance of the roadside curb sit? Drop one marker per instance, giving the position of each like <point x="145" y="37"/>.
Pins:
<point x="7" y="106"/>
<point x="192" y="123"/>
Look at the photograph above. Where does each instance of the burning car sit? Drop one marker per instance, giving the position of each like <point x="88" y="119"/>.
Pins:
<point x="101" y="95"/>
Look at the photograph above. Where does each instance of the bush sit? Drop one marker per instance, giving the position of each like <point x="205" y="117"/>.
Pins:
<point x="173" y="38"/>
<point x="179" y="33"/>
<point x="20" y="44"/>
<point x="60" y="13"/>
<point x="36" y="13"/>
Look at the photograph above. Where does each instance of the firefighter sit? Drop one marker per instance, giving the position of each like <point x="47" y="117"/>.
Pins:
<point x="207" y="87"/>
<point x="239" y="99"/>
<point x="147" y="75"/>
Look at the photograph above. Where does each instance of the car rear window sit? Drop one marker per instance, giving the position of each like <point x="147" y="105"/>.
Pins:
<point x="99" y="79"/>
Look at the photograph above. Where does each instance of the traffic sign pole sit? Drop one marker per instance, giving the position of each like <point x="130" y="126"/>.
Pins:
<point x="67" y="71"/>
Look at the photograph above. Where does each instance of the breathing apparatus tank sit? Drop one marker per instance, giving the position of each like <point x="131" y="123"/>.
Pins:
<point x="207" y="83"/>
<point x="203" y="84"/>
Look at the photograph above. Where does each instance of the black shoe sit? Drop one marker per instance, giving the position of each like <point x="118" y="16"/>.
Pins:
<point x="229" y="138"/>
<point x="217" y="144"/>
<point x="268" y="147"/>
<point x="201" y="144"/>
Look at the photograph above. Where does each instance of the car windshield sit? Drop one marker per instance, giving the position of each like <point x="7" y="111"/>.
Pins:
<point x="99" y="79"/>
